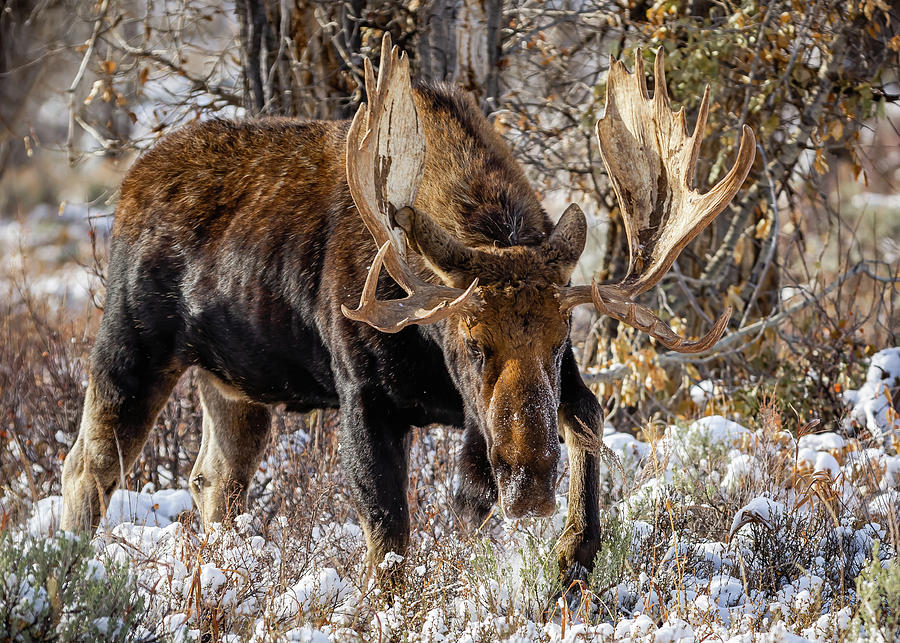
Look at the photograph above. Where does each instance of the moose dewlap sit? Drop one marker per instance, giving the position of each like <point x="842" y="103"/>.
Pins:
<point x="245" y="249"/>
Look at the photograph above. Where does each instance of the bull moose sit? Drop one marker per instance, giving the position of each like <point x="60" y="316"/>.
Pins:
<point x="240" y="247"/>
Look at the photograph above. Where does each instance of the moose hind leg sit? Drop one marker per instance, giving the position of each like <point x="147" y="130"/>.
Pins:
<point x="235" y="431"/>
<point x="121" y="404"/>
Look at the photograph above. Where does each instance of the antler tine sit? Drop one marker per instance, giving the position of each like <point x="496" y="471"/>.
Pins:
<point x="660" y="91"/>
<point x="385" y="160"/>
<point x="721" y="195"/>
<point x="650" y="159"/>
<point x="696" y="137"/>
<point x="645" y="320"/>
<point x="613" y="302"/>
<point x="639" y="73"/>
<point x="423" y="306"/>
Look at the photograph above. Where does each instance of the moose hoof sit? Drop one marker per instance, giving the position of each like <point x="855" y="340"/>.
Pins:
<point x="575" y="555"/>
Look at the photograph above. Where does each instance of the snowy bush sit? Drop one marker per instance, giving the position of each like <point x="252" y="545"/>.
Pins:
<point x="55" y="589"/>
<point x="878" y="587"/>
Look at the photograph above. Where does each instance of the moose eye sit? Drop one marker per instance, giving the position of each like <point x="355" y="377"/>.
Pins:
<point x="476" y="352"/>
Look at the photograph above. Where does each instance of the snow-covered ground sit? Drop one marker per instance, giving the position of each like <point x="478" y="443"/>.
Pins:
<point x="720" y="530"/>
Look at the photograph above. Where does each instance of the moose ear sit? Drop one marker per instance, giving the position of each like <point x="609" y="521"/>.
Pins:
<point x="566" y="242"/>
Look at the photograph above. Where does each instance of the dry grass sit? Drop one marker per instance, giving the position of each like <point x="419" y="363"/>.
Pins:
<point x="667" y="538"/>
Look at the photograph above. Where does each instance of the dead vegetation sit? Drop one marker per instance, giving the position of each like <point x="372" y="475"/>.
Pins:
<point x="674" y="550"/>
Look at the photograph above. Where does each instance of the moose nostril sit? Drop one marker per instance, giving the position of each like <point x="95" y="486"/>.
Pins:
<point x="523" y="493"/>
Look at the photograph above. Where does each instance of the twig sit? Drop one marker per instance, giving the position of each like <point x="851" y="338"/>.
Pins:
<point x="27" y="465"/>
<point x="70" y="135"/>
<point x="198" y="83"/>
<point x="773" y="242"/>
<point x="687" y="293"/>
<point x="614" y="373"/>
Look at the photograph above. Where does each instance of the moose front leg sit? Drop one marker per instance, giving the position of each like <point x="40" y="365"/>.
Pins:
<point x="374" y="455"/>
<point x="476" y="492"/>
<point x="580" y="540"/>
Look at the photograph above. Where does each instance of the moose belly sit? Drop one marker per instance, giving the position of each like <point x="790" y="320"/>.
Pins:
<point x="267" y="353"/>
<point x="270" y="354"/>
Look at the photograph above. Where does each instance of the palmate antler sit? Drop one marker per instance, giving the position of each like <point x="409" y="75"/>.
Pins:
<point x="650" y="159"/>
<point x="385" y="162"/>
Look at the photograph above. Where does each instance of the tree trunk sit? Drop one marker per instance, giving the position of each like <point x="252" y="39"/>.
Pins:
<point x="459" y="41"/>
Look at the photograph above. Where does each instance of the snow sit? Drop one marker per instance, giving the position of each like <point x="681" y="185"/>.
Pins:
<point x="872" y="403"/>
<point x="715" y="429"/>
<point x="703" y="391"/>
<point x="821" y="441"/>
<point x="157" y="509"/>
<point x="725" y="590"/>
<point x="760" y="509"/>
<point x="885" y="504"/>
<point x="44" y="516"/>
<point x="96" y="571"/>
<point x="321" y="588"/>
<point x="742" y="468"/>
<point x="827" y="463"/>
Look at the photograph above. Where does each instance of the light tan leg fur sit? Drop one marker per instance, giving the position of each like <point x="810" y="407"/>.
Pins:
<point x="235" y="431"/>
<point x="114" y="427"/>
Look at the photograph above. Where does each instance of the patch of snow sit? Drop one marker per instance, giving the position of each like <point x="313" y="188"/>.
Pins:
<point x="821" y="441"/>
<point x="703" y="391"/>
<point x="715" y="429"/>
<point x="627" y="447"/>
<point x="873" y="407"/>
<point x="807" y="455"/>
<point x="674" y="630"/>
<point x="324" y="587"/>
<point x="741" y="468"/>
<point x="391" y="559"/>
<point x="725" y="590"/>
<point x="45" y="515"/>
<point x="157" y="509"/>
<point x="760" y="509"/>
<point x="827" y="463"/>
<point x="891" y="477"/>
<point x="885" y="504"/>
<point x="96" y="571"/>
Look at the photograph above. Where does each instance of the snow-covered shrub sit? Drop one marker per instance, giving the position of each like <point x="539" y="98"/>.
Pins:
<point x="874" y="404"/>
<point x="55" y="589"/>
<point x="878" y="588"/>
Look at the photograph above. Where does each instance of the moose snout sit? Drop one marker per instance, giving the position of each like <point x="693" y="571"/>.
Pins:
<point x="524" y="452"/>
<point x="527" y="489"/>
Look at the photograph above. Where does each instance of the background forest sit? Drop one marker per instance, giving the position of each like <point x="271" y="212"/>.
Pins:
<point x="807" y="254"/>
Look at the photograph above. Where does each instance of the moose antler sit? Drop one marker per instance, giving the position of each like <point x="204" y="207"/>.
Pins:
<point x="650" y="159"/>
<point x="385" y="162"/>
